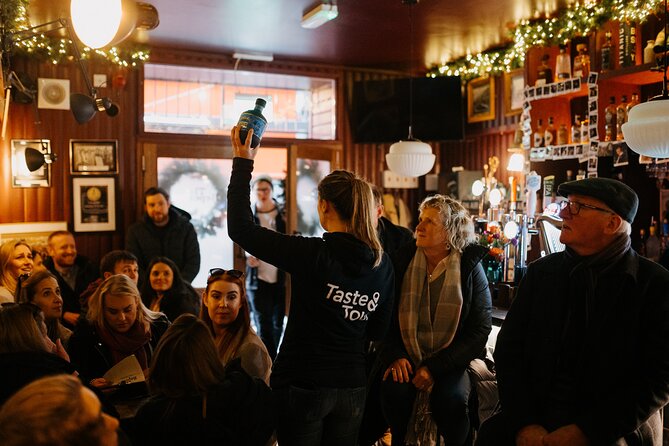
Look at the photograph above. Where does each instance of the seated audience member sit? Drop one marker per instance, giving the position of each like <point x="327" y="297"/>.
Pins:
<point x="42" y="290"/>
<point x="16" y="259"/>
<point x="56" y="411"/>
<point x="74" y="273"/>
<point x="441" y="323"/>
<point x="164" y="290"/>
<point x="194" y="400"/>
<point x="114" y="262"/>
<point x="39" y="256"/>
<point x="26" y="352"/>
<point x="582" y="357"/>
<point x="116" y="325"/>
<point x="225" y="311"/>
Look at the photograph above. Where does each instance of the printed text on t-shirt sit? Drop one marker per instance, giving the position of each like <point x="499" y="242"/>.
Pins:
<point x="356" y="306"/>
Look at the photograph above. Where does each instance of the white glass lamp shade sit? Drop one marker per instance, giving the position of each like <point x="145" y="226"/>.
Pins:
<point x="99" y="23"/>
<point x="495" y="197"/>
<point x="647" y="129"/>
<point x="516" y="163"/>
<point x="410" y="158"/>
<point x="478" y="188"/>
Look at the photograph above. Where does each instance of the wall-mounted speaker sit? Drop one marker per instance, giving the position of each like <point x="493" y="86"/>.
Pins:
<point x="53" y="93"/>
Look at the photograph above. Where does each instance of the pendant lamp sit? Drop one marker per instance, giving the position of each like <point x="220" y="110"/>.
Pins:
<point x="647" y="129"/>
<point x="410" y="158"/>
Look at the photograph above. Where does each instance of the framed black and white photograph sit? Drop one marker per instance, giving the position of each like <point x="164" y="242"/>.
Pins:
<point x="93" y="157"/>
<point x="94" y="204"/>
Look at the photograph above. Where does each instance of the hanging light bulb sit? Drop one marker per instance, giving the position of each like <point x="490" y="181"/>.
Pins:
<point x="411" y="158"/>
<point x="647" y="129"/>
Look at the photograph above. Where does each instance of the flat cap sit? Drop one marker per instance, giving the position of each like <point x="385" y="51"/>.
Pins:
<point x="617" y="195"/>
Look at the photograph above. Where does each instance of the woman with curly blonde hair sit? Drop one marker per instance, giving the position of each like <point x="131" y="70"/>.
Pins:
<point x="116" y="325"/>
<point x="441" y="323"/>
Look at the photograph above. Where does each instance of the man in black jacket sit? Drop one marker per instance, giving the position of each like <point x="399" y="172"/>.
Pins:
<point x="166" y="231"/>
<point x="582" y="357"/>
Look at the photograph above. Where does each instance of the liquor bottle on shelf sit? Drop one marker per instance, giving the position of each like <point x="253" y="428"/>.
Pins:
<point x="581" y="61"/>
<point x="606" y="53"/>
<point x="649" y="52"/>
<point x="253" y="119"/>
<point x="550" y="134"/>
<point x="634" y="101"/>
<point x="610" y="120"/>
<point x="621" y="118"/>
<point x="585" y="130"/>
<point x="563" y="64"/>
<point x="576" y="130"/>
<point x="539" y="134"/>
<point x="544" y="72"/>
<point x="562" y="135"/>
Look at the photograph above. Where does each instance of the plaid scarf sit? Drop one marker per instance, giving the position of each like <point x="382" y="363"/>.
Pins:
<point x="422" y="334"/>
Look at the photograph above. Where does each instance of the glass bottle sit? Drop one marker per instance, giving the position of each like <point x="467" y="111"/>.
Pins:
<point x="585" y="131"/>
<point x="606" y="53"/>
<point x="563" y="64"/>
<point x="253" y="119"/>
<point x="634" y="101"/>
<point x="544" y="72"/>
<point x="649" y="52"/>
<point x="621" y="118"/>
<point x="550" y="134"/>
<point x="581" y="61"/>
<point x="576" y="130"/>
<point x="610" y="120"/>
<point x="562" y="135"/>
<point x="539" y="134"/>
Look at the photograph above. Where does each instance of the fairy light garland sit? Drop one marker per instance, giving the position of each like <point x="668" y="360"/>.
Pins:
<point x="580" y="19"/>
<point x="58" y="49"/>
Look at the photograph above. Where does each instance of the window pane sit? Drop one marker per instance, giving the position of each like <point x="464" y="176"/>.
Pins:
<point x="309" y="173"/>
<point x="209" y="101"/>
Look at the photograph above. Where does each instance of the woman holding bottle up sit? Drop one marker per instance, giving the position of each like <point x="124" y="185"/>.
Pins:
<point x="341" y="295"/>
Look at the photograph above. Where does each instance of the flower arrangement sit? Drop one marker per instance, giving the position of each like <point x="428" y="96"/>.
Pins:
<point x="494" y="239"/>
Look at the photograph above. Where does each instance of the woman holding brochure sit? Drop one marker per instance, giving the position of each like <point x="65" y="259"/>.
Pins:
<point x="116" y="326"/>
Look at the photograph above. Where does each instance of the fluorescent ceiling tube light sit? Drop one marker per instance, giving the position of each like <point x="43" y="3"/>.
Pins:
<point x="261" y="57"/>
<point x="319" y="15"/>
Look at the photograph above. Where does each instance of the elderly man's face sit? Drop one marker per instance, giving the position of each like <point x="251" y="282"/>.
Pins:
<point x="584" y="232"/>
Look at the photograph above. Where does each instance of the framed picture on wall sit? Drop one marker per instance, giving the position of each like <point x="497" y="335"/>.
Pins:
<point x="30" y="167"/>
<point x="94" y="204"/>
<point x="514" y="88"/>
<point x="93" y="157"/>
<point x="481" y="99"/>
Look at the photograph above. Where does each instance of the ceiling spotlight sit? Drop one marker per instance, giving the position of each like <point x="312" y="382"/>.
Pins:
<point x="84" y="107"/>
<point x="320" y="14"/>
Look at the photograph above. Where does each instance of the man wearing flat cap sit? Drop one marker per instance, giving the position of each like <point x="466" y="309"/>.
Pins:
<point x="583" y="355"/>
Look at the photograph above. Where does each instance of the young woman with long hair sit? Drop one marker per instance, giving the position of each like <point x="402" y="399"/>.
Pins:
<point x="165" y="290"/>
<point x="16" y="260"/>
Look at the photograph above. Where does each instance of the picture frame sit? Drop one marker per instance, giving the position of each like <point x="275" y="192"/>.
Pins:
<point x="514" y="87"/>
<point x="481" y="99"/>
<point x="21" y="175"/>
<point x="34" y="233"/>
<point x="94" y="204"/>
<point x="93" y="157"/>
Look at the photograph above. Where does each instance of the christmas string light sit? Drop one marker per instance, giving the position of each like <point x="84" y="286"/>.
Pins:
<point x="580" y="19"/>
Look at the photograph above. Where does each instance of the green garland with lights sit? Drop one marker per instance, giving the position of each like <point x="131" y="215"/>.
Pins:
<point x="14" y="18"/>
<point x="578" y="20"/>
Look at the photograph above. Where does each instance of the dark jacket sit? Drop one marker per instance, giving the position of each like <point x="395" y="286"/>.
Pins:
<point x="239" y="412"/>
<point x="393" y="236"/>
<point x="175" y="302"/>
<point x="621" y="373"/>
<point x="92" y="357"/>
<point x="176" y="241"/>
<point x="87" y="272"/>
<point x="475" y="317"/>
<point x="338" y="297"/>
<point x="252" y="273"/>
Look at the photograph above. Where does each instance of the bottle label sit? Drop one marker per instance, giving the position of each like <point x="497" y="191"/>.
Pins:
<point x="548" y="138"/>
<point x="250" y="121"/>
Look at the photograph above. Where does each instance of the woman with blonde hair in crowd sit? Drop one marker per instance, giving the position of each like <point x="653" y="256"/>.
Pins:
<point x="341" y="297"/>
<point x="117" y="325"/>
<point x="195" y="400"/>
<point x="16" y="260"/>
<point x="42" y="290"/>
<point x="56" y="411"/>
<point x="225" y="310"/>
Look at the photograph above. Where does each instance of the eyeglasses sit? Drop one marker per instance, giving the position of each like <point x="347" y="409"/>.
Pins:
<point x="214" y="272"/>
<point x="575" y="207"/>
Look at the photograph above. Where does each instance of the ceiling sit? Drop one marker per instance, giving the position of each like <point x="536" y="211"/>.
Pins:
<point x="367" y="33"/>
